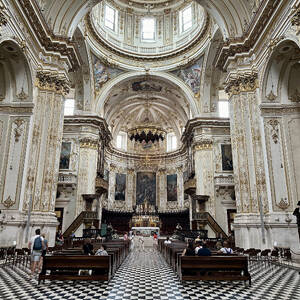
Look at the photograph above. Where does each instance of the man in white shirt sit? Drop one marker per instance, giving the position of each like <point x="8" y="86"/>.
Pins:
<point x="225" y="249"/>
<point x="167" y="241"/>
<point x="36" y="245"/>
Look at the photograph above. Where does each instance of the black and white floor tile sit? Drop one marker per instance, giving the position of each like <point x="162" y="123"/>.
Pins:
<point x="146" y="276"/>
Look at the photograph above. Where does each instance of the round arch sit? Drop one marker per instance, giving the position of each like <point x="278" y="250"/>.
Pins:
<point x="99" y="103"/>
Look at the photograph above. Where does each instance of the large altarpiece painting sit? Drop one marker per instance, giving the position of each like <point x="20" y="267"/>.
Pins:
<point x="172" y="187"/>
<point x="146" y="188"/>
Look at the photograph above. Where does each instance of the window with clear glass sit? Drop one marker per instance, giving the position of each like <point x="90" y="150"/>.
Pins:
<point x="223" y="109"/>
<point x="121" y="141"/>
<point x="110" y="19"/>
<point x="148" y="29"/>
<point x="69" y="107"/>
<point x="186" y="19"/>
<point x="171" y="142"/>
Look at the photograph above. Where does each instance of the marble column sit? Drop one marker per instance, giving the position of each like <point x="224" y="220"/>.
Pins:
<point x="248" y="158"/>
<point x="204" y="172"/>
<point x="180" y="189"/>
<point x="130" y="190"/>
<point x="43" y="156"/>
<point x="87" y="170"/>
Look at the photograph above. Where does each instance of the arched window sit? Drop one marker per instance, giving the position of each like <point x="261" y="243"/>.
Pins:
<point x="111" y="18"/>
<point x="69" y="107"/>
<point x="186" y="19"/>
<point x="121" y="141"/>
<point x="171" y="142"/>
<point x="148" y="29"/>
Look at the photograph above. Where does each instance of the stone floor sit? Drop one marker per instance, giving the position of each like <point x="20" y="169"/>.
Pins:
<point x="146" y="275"/>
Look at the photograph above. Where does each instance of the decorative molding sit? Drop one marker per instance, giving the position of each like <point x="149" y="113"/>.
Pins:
<point x="48" y="40"/>
<point x="247" y="82"/>
<point x="271" y="96"/>
<point x="22" y="95"/>
<point x="3" y="19"/>
<point x="243" y="44"/>
<point x="14" y="108"/>
<point x="8" y="202"/>
<point x="295" y="97"/>
<point x="279" y="109"/>
<point x="18" y="130"/>
<point x="275" y="130"/>
<point x="54" y="82"/>
<point x="89" y="143"/>
<point x="295" y="20"/>
<point x="203" y="145"/>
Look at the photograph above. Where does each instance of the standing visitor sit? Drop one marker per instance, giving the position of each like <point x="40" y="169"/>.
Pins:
<point x="36" y="245"/>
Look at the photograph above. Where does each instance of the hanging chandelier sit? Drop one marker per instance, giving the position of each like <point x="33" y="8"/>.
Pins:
<point x="146" y="133"/>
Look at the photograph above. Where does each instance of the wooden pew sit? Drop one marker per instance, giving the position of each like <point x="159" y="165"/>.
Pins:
<point x="67" y="267"/>
<point x="215" y="268"/>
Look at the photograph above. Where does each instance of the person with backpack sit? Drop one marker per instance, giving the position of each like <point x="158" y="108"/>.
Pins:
<point x="36" y="245"/>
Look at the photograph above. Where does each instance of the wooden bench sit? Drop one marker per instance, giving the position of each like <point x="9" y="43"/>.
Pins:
<point x="67" y="267"/>
<point x="215" y="268"/>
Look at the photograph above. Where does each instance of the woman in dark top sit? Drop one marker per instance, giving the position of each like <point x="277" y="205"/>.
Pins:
<point x="88" y="247"/>
<point x="190" y="250"/>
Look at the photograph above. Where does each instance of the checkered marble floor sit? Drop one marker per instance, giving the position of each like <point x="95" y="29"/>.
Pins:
<point x="146" y="275"/>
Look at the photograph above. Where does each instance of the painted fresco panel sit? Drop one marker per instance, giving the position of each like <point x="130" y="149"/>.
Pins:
<point x="191" y="75"/>
<point x="146" y="188"/>
<point x="65" y="153"/>
<point x="120" y="187"/>
<point x="172" y="187"/>
<point x="226" y="158"/>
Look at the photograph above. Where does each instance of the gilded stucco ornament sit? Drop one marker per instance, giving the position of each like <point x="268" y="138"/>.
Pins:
<point x="274" y="130"/>
<point x="3" y="20"/>
<point x="246" y="82"/>
<point x="8" y="202"/>
<point x="295" y="97"/>
<point x="204" y="145"/>
<point x="89" y="143"/>
<point x="51" y="81"/>
<point x="296" y="19"/>
<point x="22" y="95"/>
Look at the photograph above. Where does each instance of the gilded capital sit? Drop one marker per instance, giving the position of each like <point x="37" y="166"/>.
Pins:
<point x="246" y="82"/>
<point x="51" y="81"/>
<point x="89" y="143"/>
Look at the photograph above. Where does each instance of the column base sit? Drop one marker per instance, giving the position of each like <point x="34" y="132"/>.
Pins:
<point x="280" y="229"/>
<point x="13" y="229"/>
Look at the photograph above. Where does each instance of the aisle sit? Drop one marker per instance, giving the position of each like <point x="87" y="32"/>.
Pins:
<point x="146" y="275"/>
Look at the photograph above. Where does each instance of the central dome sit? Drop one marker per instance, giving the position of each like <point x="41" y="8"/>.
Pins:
<point x="147" y="30"/>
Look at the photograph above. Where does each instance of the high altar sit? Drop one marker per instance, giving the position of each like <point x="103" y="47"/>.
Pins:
<point x="145" y="215"/>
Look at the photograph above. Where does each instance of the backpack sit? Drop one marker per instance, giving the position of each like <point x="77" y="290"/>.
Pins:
<point x="37" y="245"/>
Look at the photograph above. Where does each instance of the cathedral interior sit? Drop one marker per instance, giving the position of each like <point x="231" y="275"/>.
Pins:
<point x="149" y="114"/>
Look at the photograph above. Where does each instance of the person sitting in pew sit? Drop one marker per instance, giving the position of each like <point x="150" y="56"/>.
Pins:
<point x="198" y="246"/>
<point x="190" y="250"/>
<point x="101" y="251"/>
<point x="204" y="251"/>
<point x="88" y="247"/>
<point x="226" y="249"/>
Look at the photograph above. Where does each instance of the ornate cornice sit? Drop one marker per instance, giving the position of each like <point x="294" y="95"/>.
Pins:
<point x="243" y="44"/>
<point x="203" y="123"/>
<point x="52" y="82"/>
<point x="279" y="109"/>
<point x="3" y="20"/>
<point x="48" y="40"/>
<point x="246" y="82"/>
<point x="17" y="108"/>
<point x="91" y="120"/>
<point x="89" y="143"/>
